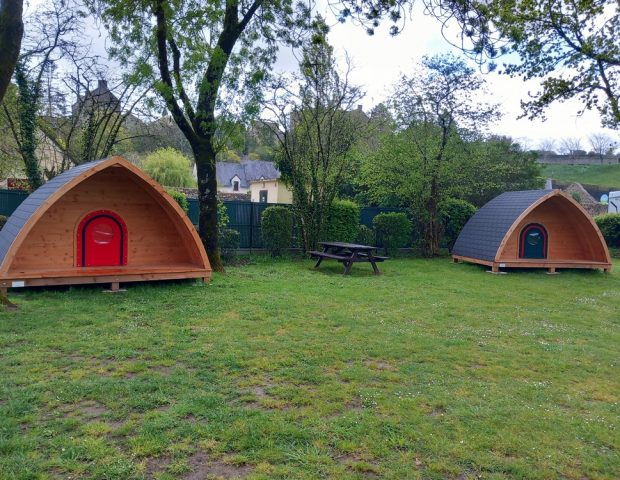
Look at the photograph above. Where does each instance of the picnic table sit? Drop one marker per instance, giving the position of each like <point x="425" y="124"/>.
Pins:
<point x="348" y="254"/>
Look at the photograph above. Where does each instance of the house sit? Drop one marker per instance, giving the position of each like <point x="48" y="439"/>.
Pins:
<point x="532" y="229"/>
<point x="101" y="98"/>
<point x="258" y="178"/>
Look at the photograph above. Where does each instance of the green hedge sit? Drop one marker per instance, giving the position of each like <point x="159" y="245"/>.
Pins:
<point x="180" y="198"/>
<point x="276" y="229"/>
<point x="365" y="235"/>
<point x="342" y="221"/>
<point x="609" y="224"/>
<point x="393" y="231"/>
<point x="454" y="215"/>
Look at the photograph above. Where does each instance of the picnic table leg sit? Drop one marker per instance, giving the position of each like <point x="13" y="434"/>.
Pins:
<point x="347" y="267"/>
<point x="348" y="264"/>
<point x="374" y="267"/>
<point x="318" y="262"/>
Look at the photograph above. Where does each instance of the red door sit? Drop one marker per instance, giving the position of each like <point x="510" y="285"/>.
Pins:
<point x="102" y="240"/>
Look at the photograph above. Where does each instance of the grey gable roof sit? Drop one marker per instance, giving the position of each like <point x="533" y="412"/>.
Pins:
<point x="483" y="233"/>
<point x="32" y="203"/>
<point x="246" y="170"/>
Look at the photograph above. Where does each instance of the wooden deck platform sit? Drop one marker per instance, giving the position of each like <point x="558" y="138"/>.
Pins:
<point x="117" y="274"/>
<point x="551" y="264"/>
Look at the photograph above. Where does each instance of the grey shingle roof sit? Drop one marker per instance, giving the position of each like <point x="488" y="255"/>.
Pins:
<point x="246" y="170"/>
<point x="483" y="233"/>
<point x="29" y="206"/>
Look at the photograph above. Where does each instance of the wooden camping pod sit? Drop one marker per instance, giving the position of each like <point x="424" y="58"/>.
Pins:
<point x="101" y="222"/>
<point x="532" y="229"/>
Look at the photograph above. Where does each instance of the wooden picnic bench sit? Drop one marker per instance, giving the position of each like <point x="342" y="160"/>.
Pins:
<point x="348" y="254"/>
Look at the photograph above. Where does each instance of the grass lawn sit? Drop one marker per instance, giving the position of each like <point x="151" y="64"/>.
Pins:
<point x="275" y="371"/>
<point x="604" y="175"/>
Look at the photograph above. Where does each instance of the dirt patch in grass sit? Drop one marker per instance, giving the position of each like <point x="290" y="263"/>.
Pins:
<point x="354" y="404"/>
<point x="154" y="465"/>
<point x="379" y="365"/>
<point x="358" y="463"/>
<point x="438" y="411"/>
<point x="201" y="468"/>
<point x="90" y="409"/>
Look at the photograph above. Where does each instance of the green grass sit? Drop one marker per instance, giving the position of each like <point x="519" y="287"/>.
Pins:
<point x="604" y="175"/>
<point x="276" y="371"/>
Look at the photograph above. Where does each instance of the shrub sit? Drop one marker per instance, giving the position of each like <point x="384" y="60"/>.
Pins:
<point x="180" y="198"/>
<point x="393" y="231"/>
<point x="365" y="235"/>
<point x="609" y="224"/>
<point x="342" y="221"/>
<point x="3" y="220"/>
<point x="222" y="216"/>
<point x="229" y="243"/>
<point x="454" y="214"/>
<point x="277" y="229"/>
<point x="170" y="168"/>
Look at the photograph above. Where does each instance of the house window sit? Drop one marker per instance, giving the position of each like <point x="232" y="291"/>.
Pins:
<point x="262" y="196"/>
<point x="235" y="185"/>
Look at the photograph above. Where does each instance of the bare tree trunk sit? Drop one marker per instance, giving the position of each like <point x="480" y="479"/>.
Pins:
<point x="204" y="154"/>
<point x="433" y="220"/>
<point x="11" y="33"/>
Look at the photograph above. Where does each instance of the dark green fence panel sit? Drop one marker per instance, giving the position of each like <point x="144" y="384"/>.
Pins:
<point x="194" y="210"/>
<point x="245" y="217"/>
<point x="10" y="200"/>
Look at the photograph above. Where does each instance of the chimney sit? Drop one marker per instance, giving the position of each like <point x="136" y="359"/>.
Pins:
<point x="102" y="85"/>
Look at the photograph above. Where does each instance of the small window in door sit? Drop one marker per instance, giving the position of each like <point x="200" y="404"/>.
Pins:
<point x="262" y="196"/>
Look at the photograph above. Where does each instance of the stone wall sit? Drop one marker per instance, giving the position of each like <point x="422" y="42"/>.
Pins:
<point x="585" y="159"/>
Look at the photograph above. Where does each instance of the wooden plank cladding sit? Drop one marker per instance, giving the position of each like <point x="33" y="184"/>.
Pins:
<point x="74" y="216"/>
<point x="533" y="229"/>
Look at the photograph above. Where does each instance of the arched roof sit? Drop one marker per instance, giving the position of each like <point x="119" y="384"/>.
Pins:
<point x="34" y="201"/>
<point x="35" y="205"/>
<point x="483" y="234"/>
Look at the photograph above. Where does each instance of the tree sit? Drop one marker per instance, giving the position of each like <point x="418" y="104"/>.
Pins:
<point x="90" y="128"/>
<point x="571" y="45"/>
<point x="216" y="46"/>
<point x="602" y="144"/>
<point x="170" y="168"/>
<point x="11" y="33"/>
<point x="316" y="132"/>
<point x="571" y="146"/>
<point x="436" y="110"/>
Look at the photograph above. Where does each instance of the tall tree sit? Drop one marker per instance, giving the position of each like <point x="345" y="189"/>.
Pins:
<point x="11" y="33"/>
<point x="316" y="130"/>
<point x="570" y="45"/>
<point x="437" y="108"/>
<point x="437" y="114"/>
<point x="197" y="51"/>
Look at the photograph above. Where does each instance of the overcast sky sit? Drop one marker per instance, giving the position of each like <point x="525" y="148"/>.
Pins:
<point x="380" y="60"/>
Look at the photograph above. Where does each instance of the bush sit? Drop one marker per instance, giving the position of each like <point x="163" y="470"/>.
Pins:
<point x="454" y="214"/>
<point x="365" y="235"/>
<point x="609" y="224"/>
<point x="180" y="198"/>
<point x="3" y="220"/>
<point x="392" y="230"/>
<point x="170" y="168"/>
<point x="229" y="243"/>
<point x="277" y="229"/>
<point x="342" y="221"/>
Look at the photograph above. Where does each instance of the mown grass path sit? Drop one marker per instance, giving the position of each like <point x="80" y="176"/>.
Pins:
<point x="277" y="371"/>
